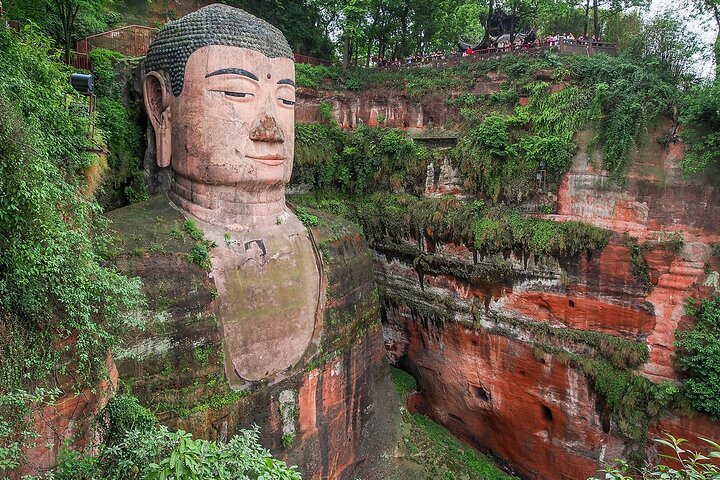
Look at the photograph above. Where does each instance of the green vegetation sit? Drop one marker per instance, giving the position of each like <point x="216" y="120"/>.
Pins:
<point x="617" y="351"/>
<point x="679" y="464"/>
<point x="192" y="229"/>
<point x="437" y="450"/>
<point x="200" y="253"/>
<point x="637" y="260"/>
<point x="60" y="307"/>
<point x="405" y="384"/>
<point x="701" y="114"/>
<point x="698" y="355"/>
<point x="125" y="140"/>
<point x="132" y="441"/>
<point x="486" y="229"/>
<point x="307" y="218"/>
<point x="620" y="98"/>
<point x="359" y="161"/>
<point x="633" y="401"/>
<point x="499" y="157"/>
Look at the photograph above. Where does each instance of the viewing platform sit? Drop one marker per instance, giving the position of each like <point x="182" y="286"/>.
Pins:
<point x="562" y="47"/>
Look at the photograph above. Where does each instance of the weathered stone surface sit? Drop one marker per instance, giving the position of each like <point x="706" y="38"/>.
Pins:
<point x="399" y="109"/>
<point x="69" y="420"/>
<point x="346" y="405"/>
<point x="469" y="340"/>
<point x="537" y="414"/>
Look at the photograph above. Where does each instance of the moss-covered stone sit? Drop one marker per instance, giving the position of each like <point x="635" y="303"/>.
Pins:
<point x="176" y="366"/>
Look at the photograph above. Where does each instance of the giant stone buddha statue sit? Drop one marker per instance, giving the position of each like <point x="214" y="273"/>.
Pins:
<point x="269" y="331"/>
<point x="220" y="94"/>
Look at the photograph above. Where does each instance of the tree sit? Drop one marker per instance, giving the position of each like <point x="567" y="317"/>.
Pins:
<point x="701" y="117"/>
<point x="698" y="356"/>
<point x="702" y="8"/>
<point x="667" y="41"/>
<point x="302" y="22"/>
<point x="611" y="6"/>
<point x="67" y="12"/>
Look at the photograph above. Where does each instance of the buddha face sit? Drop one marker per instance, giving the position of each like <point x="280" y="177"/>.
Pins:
<point x="233" y="122"/>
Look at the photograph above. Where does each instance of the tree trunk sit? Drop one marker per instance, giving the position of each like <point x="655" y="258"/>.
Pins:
<point x="346" y="51"/>
<point x="596" y="20"/>
<point x="67" y="47"/>
<point x="587" y="18"/>
<point x="369" y="52"/>
<point x="716" y="50"/>
<point x="486" y="37"/>
<point x="403" y="32"/>
<point x="512" y="29"/>
<point x="717" y="54"/>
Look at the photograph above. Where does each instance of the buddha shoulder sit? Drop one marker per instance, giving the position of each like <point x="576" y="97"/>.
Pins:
<point x="154" y="226"/>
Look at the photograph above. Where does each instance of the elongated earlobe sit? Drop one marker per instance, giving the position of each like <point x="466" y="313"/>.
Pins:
<point x="157" y="102"/>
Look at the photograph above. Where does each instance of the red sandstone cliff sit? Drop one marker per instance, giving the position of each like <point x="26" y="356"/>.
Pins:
<point x="465" y="341"/>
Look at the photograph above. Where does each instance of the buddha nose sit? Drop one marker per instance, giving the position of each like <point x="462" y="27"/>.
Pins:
<point x="267" y="130"/>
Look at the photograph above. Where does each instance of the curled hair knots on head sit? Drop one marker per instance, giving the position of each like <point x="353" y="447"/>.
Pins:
<point x="212" y="25"/>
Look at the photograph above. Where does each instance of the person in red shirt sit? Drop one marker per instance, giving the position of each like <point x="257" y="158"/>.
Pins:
<point x="469" y="51"/>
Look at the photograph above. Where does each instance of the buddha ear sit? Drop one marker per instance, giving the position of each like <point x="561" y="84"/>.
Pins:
<point x="157" y="101"/>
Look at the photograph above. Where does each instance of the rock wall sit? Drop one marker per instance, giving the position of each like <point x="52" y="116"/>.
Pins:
<point x="471" y="339"/>
<point x="399" y="109"/>
<point x="68" y="420"/>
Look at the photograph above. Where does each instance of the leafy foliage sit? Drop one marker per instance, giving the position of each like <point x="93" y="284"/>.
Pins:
<point x="307" y="218"/>
<point x="59" y="306"/>
<point x="200" y="253"/>
<point x="358" y="161"/>
<point x="124" y="136"/>
<point x="488" y="230"/>
<point x="680" y="464"/>
<point x="698" y="356"/>
<point x="627" y="96"/>
<point x="135" y="446"/>
<point x="701" y="114"/>
<point x="499" y="157"/>
<point x="123" y="414"/>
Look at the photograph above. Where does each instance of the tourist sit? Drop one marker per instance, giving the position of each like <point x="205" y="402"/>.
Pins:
<point x="469" y="51"/>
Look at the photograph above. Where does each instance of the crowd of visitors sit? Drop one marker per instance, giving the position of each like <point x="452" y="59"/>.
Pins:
<point x="503" y="44"/>
<point x="569" y="38"/>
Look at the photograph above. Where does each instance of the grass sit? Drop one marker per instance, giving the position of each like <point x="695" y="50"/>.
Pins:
<point x="436" y="450"/>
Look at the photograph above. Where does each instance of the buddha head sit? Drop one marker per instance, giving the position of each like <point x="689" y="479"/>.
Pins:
<point x="220" y="94"/>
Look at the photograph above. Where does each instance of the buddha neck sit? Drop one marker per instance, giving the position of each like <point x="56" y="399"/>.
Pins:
<point x="230" y="206"/>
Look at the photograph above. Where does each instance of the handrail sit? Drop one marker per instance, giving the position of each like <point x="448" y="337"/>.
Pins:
<point x="142" y="27"/>
<point x="300" y="58"/>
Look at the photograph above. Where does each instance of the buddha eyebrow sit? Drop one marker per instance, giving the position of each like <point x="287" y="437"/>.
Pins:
<point x="286" y="81"/>
<point x="233" y="71"/>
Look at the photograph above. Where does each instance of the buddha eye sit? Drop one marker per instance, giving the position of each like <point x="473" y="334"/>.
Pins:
<point x="238" y="94"/>
<point x="286" y="102"/>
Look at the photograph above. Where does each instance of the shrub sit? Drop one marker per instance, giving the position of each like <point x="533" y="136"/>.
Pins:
<point x="698" y="356"/>
<point x="683" y="464"/>
<point x="134" y="446"/>
<point x="60" y="307"/>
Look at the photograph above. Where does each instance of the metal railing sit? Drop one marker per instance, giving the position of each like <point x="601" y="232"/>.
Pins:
<point x="131" y="40"/>
<point x="311" y="60"/>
